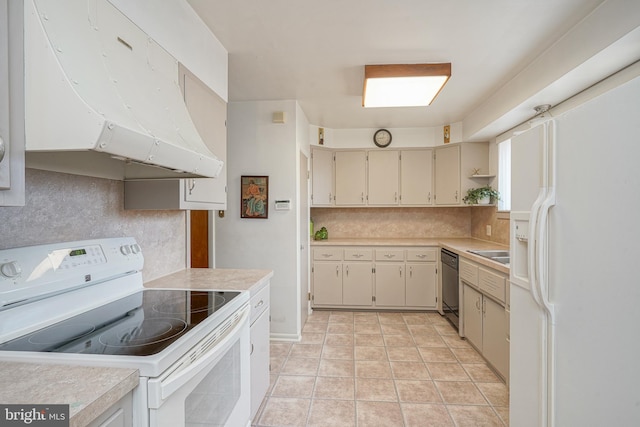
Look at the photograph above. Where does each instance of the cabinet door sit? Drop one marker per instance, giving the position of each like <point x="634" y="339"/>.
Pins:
<point x="472" y="305"/>
<point x="494" y="336"/>
<point x="327" y="283"/>
<point x="209" y="114"/>
<point x="351" y="177"/>
<point x="383" y="177"/>
<point x="416" y="177"/>
<point x="259" y="360"/>
<point x="390" y="284"/>
<point x="447" y="175"/>
<point x="421" y="285"/>
<point x="357" y="283"/>
<point x="321" y="178"/>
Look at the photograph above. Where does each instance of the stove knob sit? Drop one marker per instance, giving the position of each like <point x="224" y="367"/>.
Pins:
<point x="125" y="249"/>
<point x="135" y="248"/>
<point x="10" y="269"/>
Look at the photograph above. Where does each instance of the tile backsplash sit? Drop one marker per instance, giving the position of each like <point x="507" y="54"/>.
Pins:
<point x="393" y="222"/>
<point x="61" y="207"/>
<point x="412" y="223"/>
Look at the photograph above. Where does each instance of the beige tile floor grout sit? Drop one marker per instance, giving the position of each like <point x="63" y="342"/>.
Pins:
<point x="381" y="369"/>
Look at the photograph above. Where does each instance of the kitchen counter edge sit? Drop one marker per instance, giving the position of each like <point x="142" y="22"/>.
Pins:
<point x="218" y="279"/>
<point x="88" y="390"/>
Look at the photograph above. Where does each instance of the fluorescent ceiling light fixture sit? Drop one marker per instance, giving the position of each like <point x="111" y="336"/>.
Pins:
<point x="403" y="85"/>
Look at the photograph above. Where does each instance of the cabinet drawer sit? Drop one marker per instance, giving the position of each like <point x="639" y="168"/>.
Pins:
<point x="389" y="254"/>
<point x="358" y="254"/>
<point x="492" y="284"/>
<point x="468" y="272"/>
<point x="424" y="254"/>
<point x="259" y="303"/>
<point x="327" y="254"/>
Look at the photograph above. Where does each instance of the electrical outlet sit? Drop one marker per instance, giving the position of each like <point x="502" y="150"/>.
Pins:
<point x="488" y="230"/>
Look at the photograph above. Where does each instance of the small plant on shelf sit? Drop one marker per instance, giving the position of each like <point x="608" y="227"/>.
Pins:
<point x="481" y="196"/>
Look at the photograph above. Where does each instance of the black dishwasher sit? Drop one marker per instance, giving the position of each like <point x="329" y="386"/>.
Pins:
<point x="450" y="294"/>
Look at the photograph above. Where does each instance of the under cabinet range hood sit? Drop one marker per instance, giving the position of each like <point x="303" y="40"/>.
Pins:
<point x="101" y="94"/>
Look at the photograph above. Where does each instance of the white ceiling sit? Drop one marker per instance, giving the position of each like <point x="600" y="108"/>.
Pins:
<point x="314" y="51"/>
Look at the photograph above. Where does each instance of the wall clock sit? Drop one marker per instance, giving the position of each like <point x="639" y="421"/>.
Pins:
<point x="382" y="138"/>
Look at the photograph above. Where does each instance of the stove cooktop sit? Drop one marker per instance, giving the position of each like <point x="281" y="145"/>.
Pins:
<point x="142" y="324"/>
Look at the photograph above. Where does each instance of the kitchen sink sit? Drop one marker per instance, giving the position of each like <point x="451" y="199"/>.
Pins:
<point x="502" y="257"/>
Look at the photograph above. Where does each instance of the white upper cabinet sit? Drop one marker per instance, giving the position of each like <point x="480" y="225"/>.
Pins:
<point x="447" y="175"/>
<point x="416" y="177"/>
<point x="408" y="177"/>
<point x="351" y="178"/>
<point x="383" y="174"/>
<point x="322" y="183"/>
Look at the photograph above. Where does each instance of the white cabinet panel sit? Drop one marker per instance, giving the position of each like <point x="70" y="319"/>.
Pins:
<point x="357" y="283"/>
<point x="416" y="178"/>
<point x="383" y="177"/>
<point x="472" y="305"/>
<point x="421" y="284"/>
<point x="322" y="182"/>
<point x="259" y="360"/>
<point x="327" y="283"/>
<point x="447" y="175"/>
<point x="494" y="337"/>
<point x="351" y="178"/>
<point x="390" y="284"/>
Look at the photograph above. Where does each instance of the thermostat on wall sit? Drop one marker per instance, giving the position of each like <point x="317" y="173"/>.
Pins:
<point x="283" y="205"/>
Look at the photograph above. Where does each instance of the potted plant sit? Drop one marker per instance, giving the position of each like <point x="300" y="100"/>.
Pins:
<point x="481" y="196"/>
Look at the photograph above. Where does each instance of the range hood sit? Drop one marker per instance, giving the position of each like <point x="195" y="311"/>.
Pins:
<point x="100" y="95"/>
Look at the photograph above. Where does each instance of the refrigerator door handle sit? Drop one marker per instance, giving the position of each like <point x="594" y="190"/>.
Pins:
<point x="532" y="265"/>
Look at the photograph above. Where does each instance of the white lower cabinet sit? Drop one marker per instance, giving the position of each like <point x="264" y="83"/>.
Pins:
<point x="485" y="320"/>
<point x="357" y="283"/>
<point x="259" y="336"/>
<point x="119" y="414"/>
<point x="390" y="285"/>
<point x="374" y="277"/>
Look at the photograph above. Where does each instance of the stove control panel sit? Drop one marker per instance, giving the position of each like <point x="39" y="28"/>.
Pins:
<point x="35" y="271"/>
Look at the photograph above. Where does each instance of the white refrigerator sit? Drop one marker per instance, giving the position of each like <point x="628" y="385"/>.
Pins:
<point x="575" y="269"/>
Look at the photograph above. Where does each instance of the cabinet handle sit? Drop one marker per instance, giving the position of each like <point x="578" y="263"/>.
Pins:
<point x="400" y="269"/>
<point x="362" y="197"/>
<point x="429" y="197"/>
<point x="327" y="255"/>
<point x="330" y="197"/>
<point x="358" y="255"/>
<point x="347" y="270"/>
<point x="410" y="271"/>
<point x="421" y="256"/>
<point x="192" y="184"/>
<point x="456" y="195"/>
<point x="389" y="255"/>
<point x="259" y="304"/>
<point x="478" y="303"/>
<point x="337" y="271"/>
<point x="395" y="196"/>
<point x="2" y="149"/>
<point x="484" y="306"/>
<point x="251" y="350"/>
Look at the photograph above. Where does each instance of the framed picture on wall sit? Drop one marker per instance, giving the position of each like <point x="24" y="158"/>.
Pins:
<point x="254" y="197"/>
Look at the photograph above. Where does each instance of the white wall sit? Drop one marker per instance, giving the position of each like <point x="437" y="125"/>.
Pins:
<point x="401" y="137"/>
<point x="256" y="146"/>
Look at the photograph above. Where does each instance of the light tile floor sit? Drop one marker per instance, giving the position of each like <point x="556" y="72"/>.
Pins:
<point x="381" y="369"/>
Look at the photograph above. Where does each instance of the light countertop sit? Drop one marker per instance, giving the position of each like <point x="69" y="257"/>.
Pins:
<point x="89" y="391"/>
<point x="460" y="246"/>
<point x="214" y="279"/>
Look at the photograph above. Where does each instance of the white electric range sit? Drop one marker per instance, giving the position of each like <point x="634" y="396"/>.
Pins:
<point x="84" y="303"/>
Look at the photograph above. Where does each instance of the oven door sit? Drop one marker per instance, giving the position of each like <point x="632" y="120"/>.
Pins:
<point x="209" y="385"/>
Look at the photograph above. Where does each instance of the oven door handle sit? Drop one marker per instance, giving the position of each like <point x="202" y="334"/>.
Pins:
<point x="207" y="352"/>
